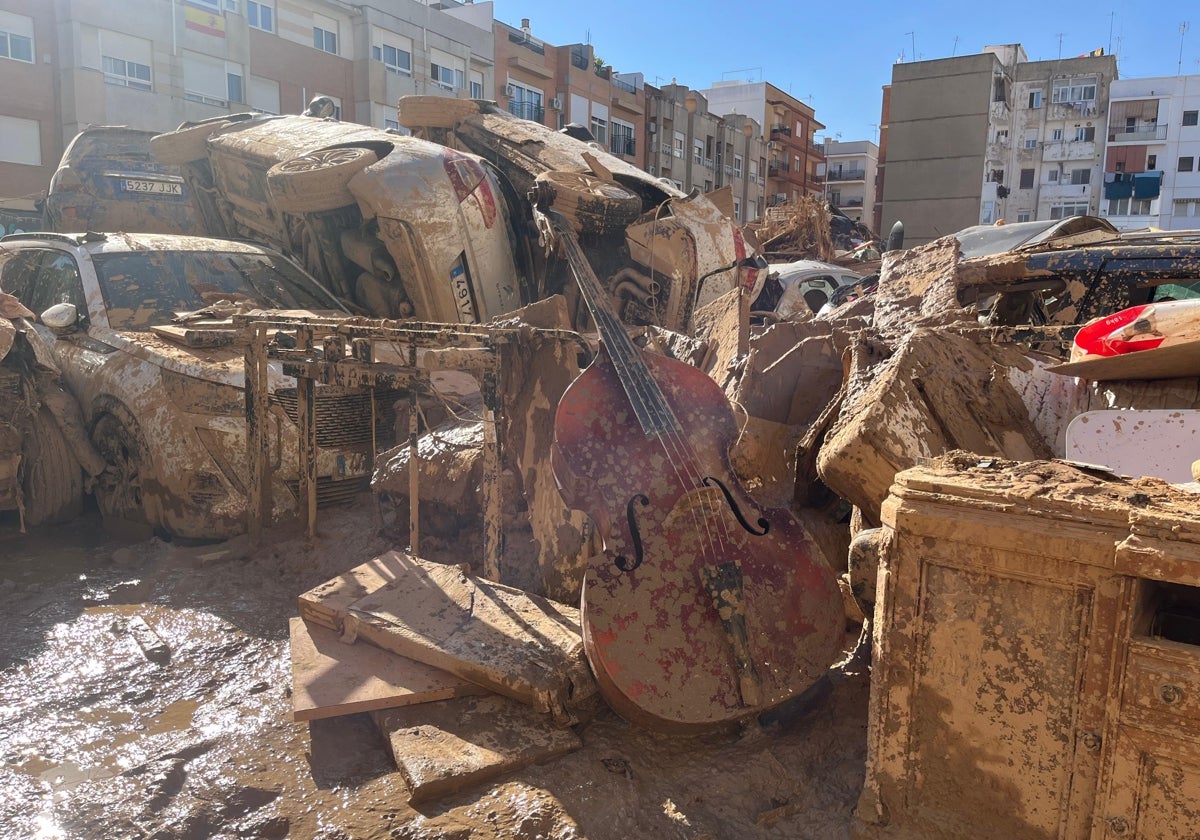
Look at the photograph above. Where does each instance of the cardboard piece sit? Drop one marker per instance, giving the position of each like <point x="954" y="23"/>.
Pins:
<point x="1173" y="362"/>
<point x="520" y="645"/>
<point x="444" y="747"/>
<point x="330" y="677"/>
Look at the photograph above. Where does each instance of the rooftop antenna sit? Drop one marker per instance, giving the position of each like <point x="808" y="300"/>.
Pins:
<point x="875" y="131"/>
<point x="1183" y="27"/>
<point x="1060" y="37"/>
<point x="913" y="34"/>
<point x="1111" y="17"/>
<point x="954" y="51"/>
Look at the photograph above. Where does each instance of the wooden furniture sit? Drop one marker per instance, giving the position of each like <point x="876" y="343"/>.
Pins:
<point x="1029" y="678"/>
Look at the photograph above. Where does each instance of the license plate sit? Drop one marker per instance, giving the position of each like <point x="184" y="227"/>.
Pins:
<point x="142" y="185"/>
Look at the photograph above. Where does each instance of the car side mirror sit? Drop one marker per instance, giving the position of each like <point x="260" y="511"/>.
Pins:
<point x="61" y="316"/>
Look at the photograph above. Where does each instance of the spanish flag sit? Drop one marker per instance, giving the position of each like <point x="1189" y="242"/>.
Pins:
<point x="203" y="20"/>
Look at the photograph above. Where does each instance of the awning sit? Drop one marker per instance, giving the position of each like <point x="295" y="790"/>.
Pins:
<point x="1147" y="184"/>
<point x="1119" y="187"/>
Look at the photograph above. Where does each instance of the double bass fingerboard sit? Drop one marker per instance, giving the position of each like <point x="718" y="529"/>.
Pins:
<point x="649" y="403"/>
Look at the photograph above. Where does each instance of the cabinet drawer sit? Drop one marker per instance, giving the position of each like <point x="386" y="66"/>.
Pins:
<point x="1165" y="683"/>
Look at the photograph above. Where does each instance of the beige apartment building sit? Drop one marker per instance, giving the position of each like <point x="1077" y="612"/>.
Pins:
<point x="979" y="138"/>
<point x="152" y="64"/>
<point x="694" y="147"/>
<point x="850" y="170"/>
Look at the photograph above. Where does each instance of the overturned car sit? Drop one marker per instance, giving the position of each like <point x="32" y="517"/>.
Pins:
<point x="163" y="398"/>
<point x="438" y="226"/>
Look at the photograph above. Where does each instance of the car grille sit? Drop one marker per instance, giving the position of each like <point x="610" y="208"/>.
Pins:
<point x="343" y="416"/>
<point x="332" y="492"/>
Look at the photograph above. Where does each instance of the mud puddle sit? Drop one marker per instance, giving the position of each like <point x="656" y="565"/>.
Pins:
<point x="98" y="740"/>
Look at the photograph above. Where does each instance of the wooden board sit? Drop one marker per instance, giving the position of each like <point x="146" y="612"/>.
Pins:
<point x="196" y="337"/>
<point x="444" y="747"/>
<point x="508" y="641"/>
<point x="330" y="677"/>
<point x="1173" y="362"/>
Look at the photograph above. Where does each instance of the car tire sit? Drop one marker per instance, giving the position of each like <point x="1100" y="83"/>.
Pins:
<point x="120" y="489"/>
<point x="53" y="480"/>
<point x="318" y="180"/>
<point x="185" y="145"/>
<point x="592" y="205"/>
<point x="433" y="111"/>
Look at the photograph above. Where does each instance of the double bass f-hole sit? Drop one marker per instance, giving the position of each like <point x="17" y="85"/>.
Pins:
<point x="622" y="562"/>
<point x="709" y="481"/>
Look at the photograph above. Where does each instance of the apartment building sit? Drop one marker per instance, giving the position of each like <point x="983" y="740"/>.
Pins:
<point x="850" y="170"/>
<point x="556" y="85"/>
<point x="1151" y="171"/>
<point x="975" y="139"/>
<point x="795" y="162"/>
<point x="697" y="148"/>
<point x="152" y="64"/>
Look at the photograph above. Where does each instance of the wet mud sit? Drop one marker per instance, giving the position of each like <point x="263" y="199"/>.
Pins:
<point x="105" y="734"/>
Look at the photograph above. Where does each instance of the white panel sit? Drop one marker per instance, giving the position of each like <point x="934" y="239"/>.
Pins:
<point x="600" y="111"/>
<point x="16" y="24"/>
<point x="204" y="75"/>
<point x="579" y="110"/>
<point x="126" y="47"/>
<point x="263" y="94"/>
<point x="22" y="141"/>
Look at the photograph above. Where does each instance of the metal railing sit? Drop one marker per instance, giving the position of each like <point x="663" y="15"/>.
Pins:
<point x="781" y="129"/>
<point x="621" y="84"/>
<point x="622" y="145"/>
<point x="527" y="111"/>
<point x="847" y="175"/>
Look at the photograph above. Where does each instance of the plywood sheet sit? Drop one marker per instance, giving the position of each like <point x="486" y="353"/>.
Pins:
<point x="330" y="677"/>
<point x="1155" y="442"/>
<point x="520" y="645"/>
<point x="444" y="747"/>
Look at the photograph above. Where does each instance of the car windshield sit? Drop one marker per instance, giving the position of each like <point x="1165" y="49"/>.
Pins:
<point x="147" y="288"/>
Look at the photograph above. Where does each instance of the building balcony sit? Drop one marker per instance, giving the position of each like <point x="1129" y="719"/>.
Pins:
<point x="780" y="131"/>
<point x="1061" y="150"/>
<point x="1142" y="134"/>
<point x="1053" y="192"/>
<point x="622" y="146"/>
<point x="1073" y="110"/>
<point x="846" y="175"/>
<point x="778" y="167"/>
<point x="527" y="111"/>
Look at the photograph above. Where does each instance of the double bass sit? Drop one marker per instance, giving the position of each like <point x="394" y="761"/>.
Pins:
<point x="701" y="610"/>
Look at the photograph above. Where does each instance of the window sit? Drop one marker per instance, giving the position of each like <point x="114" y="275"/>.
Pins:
<point x="1190" y="117"/>
<point x="22" y="141"/>
<point x="989" y="213"/>
<point x="1085" y="133"/>
<point x="325" y="34"/>
<point x="446" y="70"/>
<point x="391" y="125"/>
<point x="1026" y="179"/>
<point x="679" y="145"/>
<point x="1081" y="176"/>
<point x="1129" y="207"/>
<point x="1023" y="216"/>
<point x="621" y="142"/>
<point x="995" y="176"/>
<point x="1035" y="99"/>
<point x="1151" y="162"/>
<point x="526" y="103"/>
<point x="737" y="166"/>
<point x="477" y="85"/>
<point x="998" y="90"/>
<point x="737" y="210"/>
<point x="1075" y="208"/>
<point x="1186" y="164"/>
<point x="260" y="15"/>
<point x="263" y="95"/>
<point x="212" y="81"/>
<point x="234" y="82"/>
<point x="1052" y="176"/>
<point x="1031" y="136"/>
<point x="1119" y="166"/>
<point x="396" y="60"/>
<point x="698" y="151"/>
<point x="1002" y="135"/>
<point x="1056" y="134"/>
<point x="118" y="71"/>
<point x="16" y="37"/>
<point x="600" y="130"/>
<point x="1079" y="90"/>
<point x="231" y="5"/>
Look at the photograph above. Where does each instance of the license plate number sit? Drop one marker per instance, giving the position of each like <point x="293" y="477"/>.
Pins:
<point x="140" y="185"/>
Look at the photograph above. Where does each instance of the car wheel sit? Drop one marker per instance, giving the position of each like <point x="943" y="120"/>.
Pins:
<point x="184" y="145"/>
<point x="318" y="180"/>
<point x="53" y="480"/>
<point x="120" y="489"/>
<point x="433" y="111"/>
<point x="592" y="205"/>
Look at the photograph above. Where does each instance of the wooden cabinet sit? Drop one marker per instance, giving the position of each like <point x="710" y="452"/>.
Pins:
<point x="1021" y="686"/>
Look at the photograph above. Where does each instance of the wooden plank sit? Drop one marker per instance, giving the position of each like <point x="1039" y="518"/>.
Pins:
<point x="331" y="678"/>
<point x="444" y="747"/>
<point x="520" y="645"/>
<point x="196" y="337"/>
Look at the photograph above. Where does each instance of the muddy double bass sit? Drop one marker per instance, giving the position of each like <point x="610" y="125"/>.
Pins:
<point x="702" y="609"/>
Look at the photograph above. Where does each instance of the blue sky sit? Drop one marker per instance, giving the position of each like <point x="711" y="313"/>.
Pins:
<point x="837" y="56"/>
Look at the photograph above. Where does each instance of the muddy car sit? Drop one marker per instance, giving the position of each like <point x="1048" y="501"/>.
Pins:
<point x="439" y="226"/>
<point x="107" y="180"/>
<point x="806" y="286"/>
<point x="165" y="408"/>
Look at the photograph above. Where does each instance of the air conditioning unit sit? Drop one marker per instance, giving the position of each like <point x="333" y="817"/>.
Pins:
<point x="556" y="104"/>
<point x="510" y="91"/>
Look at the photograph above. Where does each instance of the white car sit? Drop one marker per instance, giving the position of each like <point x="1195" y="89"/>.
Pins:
<point x="807" y="285"/>
<point x="168" y="418"/>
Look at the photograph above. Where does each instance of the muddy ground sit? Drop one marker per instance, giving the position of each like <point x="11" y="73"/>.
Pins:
<point x="96" y="741"/>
